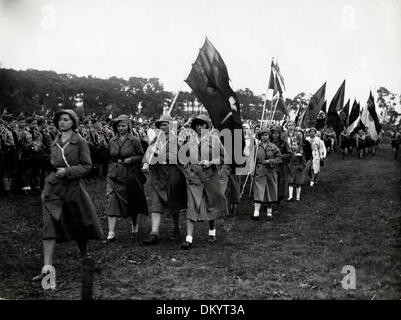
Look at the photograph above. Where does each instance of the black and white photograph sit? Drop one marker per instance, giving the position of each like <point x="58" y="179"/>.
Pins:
<point x="204" y="150"/>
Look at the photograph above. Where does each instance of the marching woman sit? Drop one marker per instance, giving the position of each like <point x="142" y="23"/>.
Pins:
<point x="345" y="142"/>
<point x="68" y="211"/>
<point x="206" y="199"/>
<point x="282" y="167"/>
<point x="265" y="184"/>
<point x="395" y="142"/>
<point x="167" y="180"/>
<point x="296" y="172"/>
<point x="318" y="154"/>
<point x="360" y="143"/>
<point x="125" y="191"/>
<point x="370" y="144"/>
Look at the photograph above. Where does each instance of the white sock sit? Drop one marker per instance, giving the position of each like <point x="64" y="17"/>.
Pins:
<point x="269" y="211"/>
<point x="134" y="228"/>
<point x="189" y="239"/>
<point x="298" y="190"/>
<point x="290" y="191"/>
<point x="212" y="232"/>
<point x="111" y="235"/>
<point x="257" y="208"/>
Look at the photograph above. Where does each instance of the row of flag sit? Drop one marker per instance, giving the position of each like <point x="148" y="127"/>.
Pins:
<point x="338" y="115"/>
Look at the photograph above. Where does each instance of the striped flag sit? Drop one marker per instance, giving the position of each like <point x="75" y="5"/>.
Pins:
<point x="276" y="81"/>
<point x="354" y="117"/>
<point x="370" y="119"/>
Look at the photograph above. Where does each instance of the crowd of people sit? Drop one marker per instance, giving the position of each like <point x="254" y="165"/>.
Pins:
<point x="54" y="157"/>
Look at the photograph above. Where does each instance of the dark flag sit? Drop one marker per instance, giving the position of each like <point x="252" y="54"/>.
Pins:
<point x="336" y="104"/>
<point x="210" y="82"/>
<point x="314" y="107"/>
<point x="321" y="117"/>
<point x="344" y="115"/>
<point x="281" y="108"/>
<point x="354" y="117"/>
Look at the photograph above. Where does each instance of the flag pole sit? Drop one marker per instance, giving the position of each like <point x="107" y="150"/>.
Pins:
<point x="264" y="108"/>
<point x="275" y="107"/>
<point x="254" y="162"/>
<point x="146" y="165"/>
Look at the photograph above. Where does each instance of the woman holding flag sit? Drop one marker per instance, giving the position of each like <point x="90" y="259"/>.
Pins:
<point x="167" y="180"/>
<point x="206" y="199"/>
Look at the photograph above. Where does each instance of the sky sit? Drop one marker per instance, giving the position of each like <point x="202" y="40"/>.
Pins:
<point x="314" y="41"/>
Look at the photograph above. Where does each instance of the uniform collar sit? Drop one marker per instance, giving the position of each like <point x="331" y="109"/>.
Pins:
<point x="74" y="139"/>
<point x="129" y="136"/>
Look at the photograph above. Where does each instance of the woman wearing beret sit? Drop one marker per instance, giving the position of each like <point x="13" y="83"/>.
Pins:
<point x="68" y="211"/>
<point x="206" y="200"/>
<point x="125" y="191"/>
<point x="265" y="184"/>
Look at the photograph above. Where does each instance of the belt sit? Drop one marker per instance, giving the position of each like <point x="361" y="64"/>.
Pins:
<point x="117" y="160"/>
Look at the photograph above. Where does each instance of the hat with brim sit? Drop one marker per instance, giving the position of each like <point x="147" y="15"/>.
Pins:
<point x="312" y="129"/>
<point x="71" y="113"/>
<point x="276" y="128"/>
<point x="201" y="119"/>
<point x="262" y="131"/>
<point x="165" y="118"/>
<point x="121" y="118"/>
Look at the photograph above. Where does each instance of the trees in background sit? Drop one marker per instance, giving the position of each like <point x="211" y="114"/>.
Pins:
<point x="34" y="91"/>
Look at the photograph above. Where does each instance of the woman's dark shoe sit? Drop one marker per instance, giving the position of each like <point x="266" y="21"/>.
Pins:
<point x="175" y="236"/>
<point x="134" y="237"/>
<point x="153" y="239"/>
<point x="108" y="241"/>
<point x="186" y="245"/>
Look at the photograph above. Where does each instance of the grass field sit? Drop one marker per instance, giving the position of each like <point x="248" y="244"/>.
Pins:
<point x="351" y="217"/>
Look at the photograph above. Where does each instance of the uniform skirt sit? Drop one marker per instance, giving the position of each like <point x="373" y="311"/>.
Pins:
<point x="206" y="200"/>
<point x="265" y="184"/>
<point x="168" y="189"/>
<point x="68" y="211"/>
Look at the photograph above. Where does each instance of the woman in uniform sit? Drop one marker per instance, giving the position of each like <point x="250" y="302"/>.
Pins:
<point x="68" y="211"/>
<point x="125" y="191"/>
<point x="296" y="172"/>
<point x="206" y="200"/>
<point x="167" y="180"/>
<point x="265" y="184"/>
<point x="282" y="166"/>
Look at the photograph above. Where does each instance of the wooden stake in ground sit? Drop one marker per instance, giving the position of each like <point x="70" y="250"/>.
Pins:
<point x="88" y="273"/>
